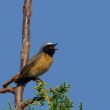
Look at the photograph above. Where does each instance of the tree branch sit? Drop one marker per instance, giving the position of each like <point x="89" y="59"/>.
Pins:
<point x="29" y="101"/>
<point x="18" y="90"/>
<point x="26" y="103"/>
<point x="26" y="32"/>
<point x="10" y="89"/>
<point x="24" y="51"/>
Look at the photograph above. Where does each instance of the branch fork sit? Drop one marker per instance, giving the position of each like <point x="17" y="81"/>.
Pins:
<point x="18" y="90"/>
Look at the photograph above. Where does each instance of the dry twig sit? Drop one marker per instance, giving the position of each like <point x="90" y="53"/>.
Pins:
<point x="9" y="89"/>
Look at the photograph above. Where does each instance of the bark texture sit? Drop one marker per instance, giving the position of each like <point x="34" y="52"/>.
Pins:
<point x="24" y="51"/>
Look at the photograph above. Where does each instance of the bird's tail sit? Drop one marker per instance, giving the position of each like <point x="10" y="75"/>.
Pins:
<point x="11" y="80"/>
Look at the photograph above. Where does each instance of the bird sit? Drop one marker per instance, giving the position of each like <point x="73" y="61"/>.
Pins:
<point x="37" y="65"/>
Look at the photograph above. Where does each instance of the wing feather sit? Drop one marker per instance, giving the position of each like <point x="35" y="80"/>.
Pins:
<point x="24" y="72"/>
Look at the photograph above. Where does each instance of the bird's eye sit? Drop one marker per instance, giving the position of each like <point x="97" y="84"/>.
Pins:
<point x="50" y="47"/>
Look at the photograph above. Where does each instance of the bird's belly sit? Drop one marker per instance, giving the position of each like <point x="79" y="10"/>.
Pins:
<point x="41" y="67"/>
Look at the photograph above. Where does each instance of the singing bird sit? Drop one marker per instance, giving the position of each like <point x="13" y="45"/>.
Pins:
<point x="37" y="65"/>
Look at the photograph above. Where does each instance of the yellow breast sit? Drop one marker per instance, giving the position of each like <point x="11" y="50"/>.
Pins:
<point x="41" y="65"/>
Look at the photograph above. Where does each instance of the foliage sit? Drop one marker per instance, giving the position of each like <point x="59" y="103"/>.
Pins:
<point x="56" y="97"/>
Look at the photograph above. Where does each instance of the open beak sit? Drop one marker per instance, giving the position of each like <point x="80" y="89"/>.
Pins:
<point x="55" y="46"/>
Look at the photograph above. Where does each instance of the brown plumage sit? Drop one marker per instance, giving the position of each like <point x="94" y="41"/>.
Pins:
<point x="34" y="68"/>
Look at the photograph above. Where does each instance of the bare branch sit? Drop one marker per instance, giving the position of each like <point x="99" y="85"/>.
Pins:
<point x="26" y="32"/>
<point x="29" y="101"/>
<point x="18" y="90"/>
<point x="10" y="89"/>
<point x="26" y="103"/>
<point x="25" y="49"/>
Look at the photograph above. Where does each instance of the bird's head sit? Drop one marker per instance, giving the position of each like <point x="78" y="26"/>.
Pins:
<point x="49" y="48"/>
